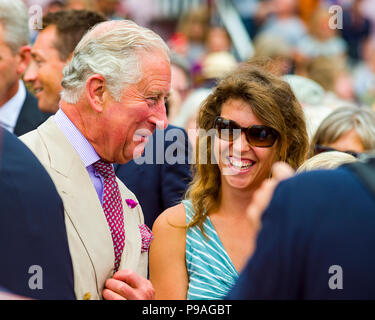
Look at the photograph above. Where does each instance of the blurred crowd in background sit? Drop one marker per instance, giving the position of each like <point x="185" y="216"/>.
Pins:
<point x="325" y="49"/>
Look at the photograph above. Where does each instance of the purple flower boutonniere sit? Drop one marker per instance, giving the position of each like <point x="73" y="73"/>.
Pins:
<point x="131" y="203"/>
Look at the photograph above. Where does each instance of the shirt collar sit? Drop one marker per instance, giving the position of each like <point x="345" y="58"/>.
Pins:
<point x="83" y="147"/>
<point x="10" y="110"/>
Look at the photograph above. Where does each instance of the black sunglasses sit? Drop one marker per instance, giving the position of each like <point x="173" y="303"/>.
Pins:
<point x="257" y="135"/>
<point x="318" y="148"/>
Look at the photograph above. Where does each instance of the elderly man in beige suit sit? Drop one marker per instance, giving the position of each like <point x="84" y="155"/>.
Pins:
<point x="113" y="97"/>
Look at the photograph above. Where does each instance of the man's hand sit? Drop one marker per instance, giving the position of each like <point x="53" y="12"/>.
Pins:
<point x="262" y="197"/>
<point x="127" y="285"/>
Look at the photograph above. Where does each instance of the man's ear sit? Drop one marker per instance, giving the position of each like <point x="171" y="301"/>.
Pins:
<point x="23" y="59"/>
<point x="95" y="91"/>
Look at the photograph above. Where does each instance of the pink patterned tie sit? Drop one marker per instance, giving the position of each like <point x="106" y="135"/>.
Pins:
<point x="112" y="206"/>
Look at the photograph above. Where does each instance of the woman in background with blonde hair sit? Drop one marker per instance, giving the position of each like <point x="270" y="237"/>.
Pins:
<point x="251" y="120"/>
<point x="326" y="161"/>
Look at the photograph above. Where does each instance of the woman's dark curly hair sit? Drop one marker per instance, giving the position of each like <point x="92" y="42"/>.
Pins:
<point x="274" y="104"/>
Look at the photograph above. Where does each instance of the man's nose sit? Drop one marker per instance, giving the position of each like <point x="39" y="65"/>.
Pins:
<point x="31" y="72"/>
<point x="159" y="117"/>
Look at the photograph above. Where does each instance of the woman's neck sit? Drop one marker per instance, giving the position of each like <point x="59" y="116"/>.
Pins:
<point x="234" y="202"/>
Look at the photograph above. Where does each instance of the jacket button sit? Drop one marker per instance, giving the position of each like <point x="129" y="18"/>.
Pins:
<point x="87" y="296"/>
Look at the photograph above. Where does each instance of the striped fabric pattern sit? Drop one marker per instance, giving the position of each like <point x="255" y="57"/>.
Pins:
<point x="210" y="270"/>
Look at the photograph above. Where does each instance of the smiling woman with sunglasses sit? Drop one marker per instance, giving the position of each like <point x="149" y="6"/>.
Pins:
<point x="250" y="121"/>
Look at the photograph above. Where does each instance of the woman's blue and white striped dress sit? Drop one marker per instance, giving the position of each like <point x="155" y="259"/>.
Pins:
<point x="210" y="270"/>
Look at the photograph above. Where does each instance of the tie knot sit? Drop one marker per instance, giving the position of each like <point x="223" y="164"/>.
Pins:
<point x="105" y="169"/>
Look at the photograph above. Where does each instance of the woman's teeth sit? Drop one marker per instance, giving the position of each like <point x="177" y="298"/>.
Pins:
<point x="238" y="164"/>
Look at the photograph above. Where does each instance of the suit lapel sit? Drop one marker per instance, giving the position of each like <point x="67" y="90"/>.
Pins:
<point x="81" y="201"/>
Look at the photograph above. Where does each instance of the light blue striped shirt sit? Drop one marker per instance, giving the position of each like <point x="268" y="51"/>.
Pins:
<point x="210" y="270"/>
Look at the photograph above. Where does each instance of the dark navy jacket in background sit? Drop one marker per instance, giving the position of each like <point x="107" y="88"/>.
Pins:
<point x="316" y="221"/>
<point x="30" y="116"/>
<point x="32" y="227"/>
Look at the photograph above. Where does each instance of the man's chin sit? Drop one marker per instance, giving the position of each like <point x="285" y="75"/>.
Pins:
<point x="127" y="156"/>
<point x="48" y="108"/>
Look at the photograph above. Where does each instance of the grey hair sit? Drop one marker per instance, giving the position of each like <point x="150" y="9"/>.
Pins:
<point x="14" y="18"/>
<point x="112" y="49"/>
<point x="326" y="160"/>
<point x="341" y="121"/>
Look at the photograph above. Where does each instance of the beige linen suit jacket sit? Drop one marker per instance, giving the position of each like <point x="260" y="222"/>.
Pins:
<point x="89" y="236"/>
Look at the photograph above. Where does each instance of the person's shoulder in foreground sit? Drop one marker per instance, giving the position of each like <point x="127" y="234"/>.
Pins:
<point x="35" y="258"/>
<point x="316" y="241"/>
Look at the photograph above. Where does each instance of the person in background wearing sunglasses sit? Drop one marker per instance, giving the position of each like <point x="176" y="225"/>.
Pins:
<point x="347" y="129"/>
<point x="202" y="244"/>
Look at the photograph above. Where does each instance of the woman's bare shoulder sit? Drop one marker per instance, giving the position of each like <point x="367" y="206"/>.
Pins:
<point x="172" y="218"/>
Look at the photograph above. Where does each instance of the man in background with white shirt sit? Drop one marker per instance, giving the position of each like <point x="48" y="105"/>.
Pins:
<point x="19" y="111"/>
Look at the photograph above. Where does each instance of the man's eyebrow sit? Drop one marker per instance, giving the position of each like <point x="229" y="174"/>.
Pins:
<point x="159" y="94"/>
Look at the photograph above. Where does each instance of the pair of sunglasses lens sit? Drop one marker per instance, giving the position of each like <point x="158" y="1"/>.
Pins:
<point x="257" y="135"/>
<point x="320" y="149"/>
